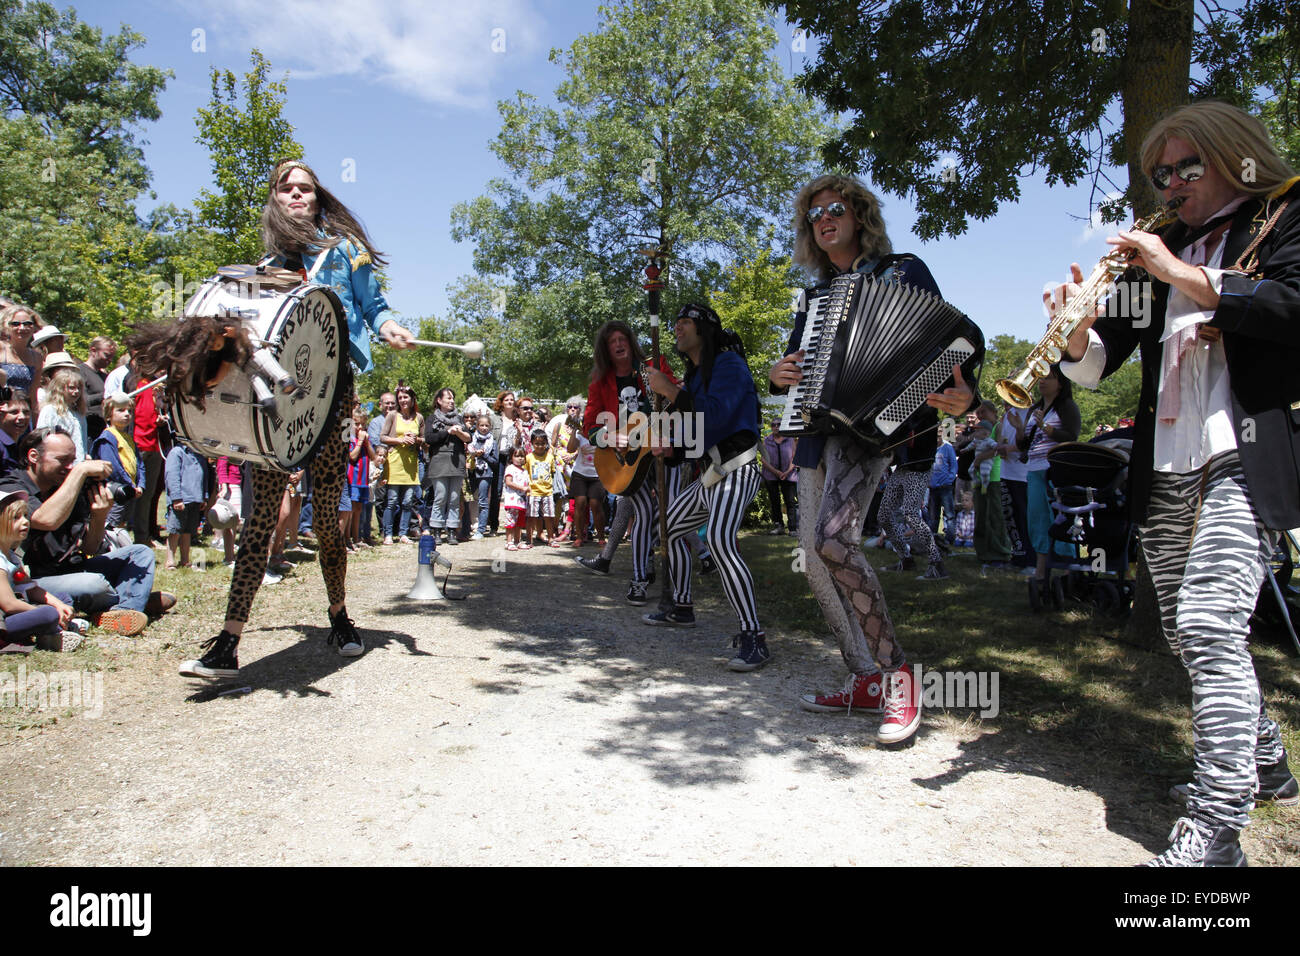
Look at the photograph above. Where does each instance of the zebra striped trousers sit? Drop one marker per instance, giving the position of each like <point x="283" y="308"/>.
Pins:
<point x="723" y="506"/>
<point x="1207" y="570"/>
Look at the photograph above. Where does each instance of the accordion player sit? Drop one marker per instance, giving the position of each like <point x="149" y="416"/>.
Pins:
<point x="873" y="350"/>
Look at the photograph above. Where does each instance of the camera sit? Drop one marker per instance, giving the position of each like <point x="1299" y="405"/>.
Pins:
<point x="120" y="492"/>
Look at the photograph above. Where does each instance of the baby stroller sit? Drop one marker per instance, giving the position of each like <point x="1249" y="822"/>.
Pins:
<point x="1088" y="495"/>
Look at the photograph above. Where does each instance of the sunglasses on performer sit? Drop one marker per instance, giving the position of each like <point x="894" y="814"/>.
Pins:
<point x="1189" y="170"/>
<point x="834" y="210"/>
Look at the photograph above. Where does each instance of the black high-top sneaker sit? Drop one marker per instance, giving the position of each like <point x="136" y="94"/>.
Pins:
<point x="220" y="660"/>
<point x="345" y="634"/>
<point x="1193" y="844"/>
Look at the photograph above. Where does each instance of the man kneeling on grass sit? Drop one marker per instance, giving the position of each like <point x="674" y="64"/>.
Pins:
<point x="66" y="550"/>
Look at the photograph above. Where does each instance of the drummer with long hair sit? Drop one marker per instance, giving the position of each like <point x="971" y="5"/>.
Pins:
<point x="304" y="228"/>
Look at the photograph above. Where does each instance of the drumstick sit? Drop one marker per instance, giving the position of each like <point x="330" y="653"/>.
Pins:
<point x="471" y="349"/>
<point x="146" y="387"/>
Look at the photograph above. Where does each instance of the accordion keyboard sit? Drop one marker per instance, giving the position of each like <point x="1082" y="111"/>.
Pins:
<point x="792" y="422"/>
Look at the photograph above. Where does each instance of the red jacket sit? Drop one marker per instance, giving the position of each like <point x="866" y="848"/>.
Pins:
<point x="602" y="396"/>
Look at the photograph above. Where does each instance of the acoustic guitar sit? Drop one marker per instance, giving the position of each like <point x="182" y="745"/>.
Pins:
<point x="621" y="472"/>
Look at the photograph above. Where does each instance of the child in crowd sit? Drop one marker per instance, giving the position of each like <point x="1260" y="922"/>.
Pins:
<point x="32" y="616"/>
<point x="483" y="453"/>
<point x="230" y="489"/>
<point x="985" y="448"/>
<point x="541" y="483"/>
<point x="966" y="522"/>
<point x="116" y="446"/>
<point x="189" y="486"/>
<point x="361" y="454"/>
<point x="64" y="405"/>
<point x="512" y="498"/>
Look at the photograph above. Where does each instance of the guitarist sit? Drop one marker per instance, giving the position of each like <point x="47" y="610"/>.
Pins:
<point x="618" y="390"/>
<point x="720" y="390"/>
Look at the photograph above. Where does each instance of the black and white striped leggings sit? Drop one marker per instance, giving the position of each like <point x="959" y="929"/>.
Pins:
<point x="1207" y="571"/>
<point x="642" y="503"/>
<point x="723" y="507"/>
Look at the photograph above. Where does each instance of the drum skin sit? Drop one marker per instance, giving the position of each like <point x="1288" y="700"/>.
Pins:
<point x="305" y="331"/>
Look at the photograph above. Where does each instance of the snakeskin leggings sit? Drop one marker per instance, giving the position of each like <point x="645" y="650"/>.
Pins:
<point x="833" y="503"/>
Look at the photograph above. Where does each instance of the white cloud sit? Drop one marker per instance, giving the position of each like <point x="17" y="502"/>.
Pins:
<point x="1095" y="227"/>
<point x="439" y="51"/>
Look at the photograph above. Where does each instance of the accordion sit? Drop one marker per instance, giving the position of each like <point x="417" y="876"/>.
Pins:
<point x="872" y="351"/>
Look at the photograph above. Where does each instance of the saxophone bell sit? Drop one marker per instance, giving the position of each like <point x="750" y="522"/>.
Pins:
<point x="1017" y="390"/>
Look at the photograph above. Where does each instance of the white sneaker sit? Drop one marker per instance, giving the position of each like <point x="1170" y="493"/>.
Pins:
<point x="272" y="577"/>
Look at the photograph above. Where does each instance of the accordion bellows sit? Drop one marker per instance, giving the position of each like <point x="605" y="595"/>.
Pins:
<point x="872" y="351"/>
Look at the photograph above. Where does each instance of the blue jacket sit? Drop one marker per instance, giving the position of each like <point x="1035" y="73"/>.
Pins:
<point x="188" y="477"/>
<point x="348" y="271"/>
<point x="944" y="472"/>
<point x="729" y="403"/>
<point x="105" y="449"/>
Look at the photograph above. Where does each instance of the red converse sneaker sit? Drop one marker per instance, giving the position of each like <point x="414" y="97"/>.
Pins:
<point x="864" y="692"/>
<point x="902" y="706"/>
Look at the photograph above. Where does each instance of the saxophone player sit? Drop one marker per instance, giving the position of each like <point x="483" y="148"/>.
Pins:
<point x="1216" y="458"/>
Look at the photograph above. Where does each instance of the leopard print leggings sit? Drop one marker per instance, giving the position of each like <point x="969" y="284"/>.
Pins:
<point x="328" y="472"/>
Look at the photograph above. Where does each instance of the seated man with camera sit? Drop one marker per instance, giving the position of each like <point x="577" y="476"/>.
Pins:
<point x="65" y="548"/>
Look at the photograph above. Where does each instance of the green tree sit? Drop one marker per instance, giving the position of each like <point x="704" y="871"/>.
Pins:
<point x="755" y="303"/>
<point x="59" y="208"/>
<point x="692" y="148"/>
<point x="244" y="143"/>
<point x="956" y="99"/>
<point x="73" y="80"/>
<point x="71" y="103"/>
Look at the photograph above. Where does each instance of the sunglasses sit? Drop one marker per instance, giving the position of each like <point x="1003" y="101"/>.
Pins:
<point x="22" y="325"/>
<point x="1189" y="170"/>
<point x="525" y="408"/>
<point x="834" y="210"/>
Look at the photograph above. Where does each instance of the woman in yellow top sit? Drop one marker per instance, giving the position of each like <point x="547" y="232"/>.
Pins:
<point x="403" y="434"/>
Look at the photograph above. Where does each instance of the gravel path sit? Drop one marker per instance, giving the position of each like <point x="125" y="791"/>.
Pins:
<point x="535" y="722"/>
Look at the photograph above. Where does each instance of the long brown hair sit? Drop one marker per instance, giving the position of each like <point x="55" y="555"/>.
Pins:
<point x="283" y="235"/>
<point x="601" y="361"/>
<point x="183" y="352"/>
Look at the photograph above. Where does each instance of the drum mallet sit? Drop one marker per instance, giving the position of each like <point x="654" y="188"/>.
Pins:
<point x="268" y="366"/>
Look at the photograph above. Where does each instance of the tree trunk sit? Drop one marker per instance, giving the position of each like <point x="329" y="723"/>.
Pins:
<point x="1157" y="70"/>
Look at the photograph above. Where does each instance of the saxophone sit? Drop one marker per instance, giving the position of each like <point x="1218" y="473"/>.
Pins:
<point x="1016" y="390"/>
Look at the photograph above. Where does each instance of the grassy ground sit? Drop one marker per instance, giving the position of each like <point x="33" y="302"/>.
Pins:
<point x="1105" y="698"/>
<point x="1079" y="696"/>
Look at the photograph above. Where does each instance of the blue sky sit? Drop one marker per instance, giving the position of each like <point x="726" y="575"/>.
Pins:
<point x="405" y="92"/>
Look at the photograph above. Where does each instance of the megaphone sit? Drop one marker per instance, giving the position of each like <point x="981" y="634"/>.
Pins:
<point x="426" y="587"/>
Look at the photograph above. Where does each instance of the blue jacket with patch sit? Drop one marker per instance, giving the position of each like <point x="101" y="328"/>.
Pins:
<point x="347" y="270"/>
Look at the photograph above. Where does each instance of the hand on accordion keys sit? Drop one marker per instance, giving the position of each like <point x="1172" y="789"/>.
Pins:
<point x="954" y="400"/>
<point x="787" y="372"/>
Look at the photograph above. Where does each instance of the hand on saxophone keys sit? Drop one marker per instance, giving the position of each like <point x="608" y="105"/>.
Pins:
<point x="1057" y="300"/>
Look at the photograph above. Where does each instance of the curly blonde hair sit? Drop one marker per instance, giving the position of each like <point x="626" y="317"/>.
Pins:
<point x="873" y="241"/>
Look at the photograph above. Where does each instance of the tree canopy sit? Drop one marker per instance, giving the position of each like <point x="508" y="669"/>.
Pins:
<point x="675" y="130"/>
<point x="244" y="142"/>
<point x="953" y="100"/>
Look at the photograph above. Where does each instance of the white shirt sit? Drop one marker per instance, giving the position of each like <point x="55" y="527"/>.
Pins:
<point x="1204" y="427"/>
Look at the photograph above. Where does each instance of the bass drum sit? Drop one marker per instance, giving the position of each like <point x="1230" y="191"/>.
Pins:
<point x="305" y="332"/>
